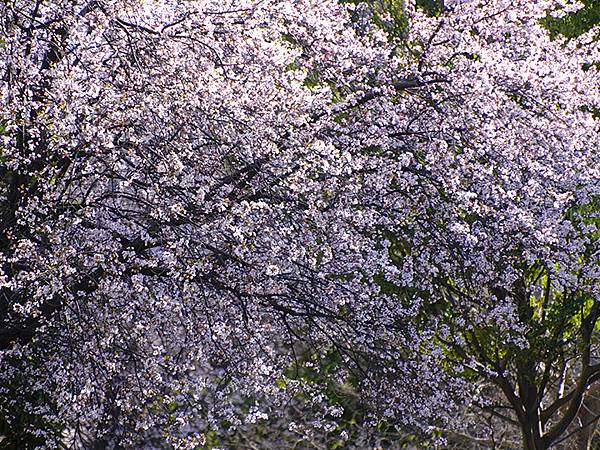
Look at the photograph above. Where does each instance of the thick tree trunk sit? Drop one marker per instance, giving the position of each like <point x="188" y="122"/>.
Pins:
<point x="532" y="439"/>
<point x="585" y="425"/>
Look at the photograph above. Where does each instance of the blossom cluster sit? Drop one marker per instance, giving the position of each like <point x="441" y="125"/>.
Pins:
<point x="199" y="196"/>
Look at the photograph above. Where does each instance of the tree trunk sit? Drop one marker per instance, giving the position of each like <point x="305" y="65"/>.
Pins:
<point x="532" y="434"/>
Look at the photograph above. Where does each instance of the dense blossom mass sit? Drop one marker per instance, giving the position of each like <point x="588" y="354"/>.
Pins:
<point x="203" y="200"/>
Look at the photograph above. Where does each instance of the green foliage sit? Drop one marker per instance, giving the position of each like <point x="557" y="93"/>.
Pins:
<point x="23" y="424"/>
<point x="576" y="23"/>
<point x="322" y="370"/>
<point x="318" y="369"/>
<point x="388" y="15"/>
<point x="595" y="112"/>
<point x="551" y="313"/>
<point x="432" y="8"/>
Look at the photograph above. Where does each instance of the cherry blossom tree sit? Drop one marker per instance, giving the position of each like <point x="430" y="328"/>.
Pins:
<point x="204" y="200"/>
